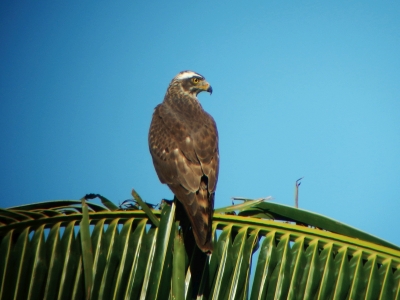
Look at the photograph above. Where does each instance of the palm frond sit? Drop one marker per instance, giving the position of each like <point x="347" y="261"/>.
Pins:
<point x="75" y="250"/>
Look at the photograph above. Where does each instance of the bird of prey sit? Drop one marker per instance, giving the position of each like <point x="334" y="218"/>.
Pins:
<point x="183" y="142"/>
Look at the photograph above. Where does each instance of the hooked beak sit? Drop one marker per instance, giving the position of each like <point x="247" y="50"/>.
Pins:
<point x="205" y="86"/>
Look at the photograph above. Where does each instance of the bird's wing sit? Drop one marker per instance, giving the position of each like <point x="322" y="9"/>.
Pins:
<point x="174" y="158"/>
<point x="183" y="152"/>
<point x="205" y="144"/>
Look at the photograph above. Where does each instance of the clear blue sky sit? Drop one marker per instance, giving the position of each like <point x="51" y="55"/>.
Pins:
<point x="300" y="89"/>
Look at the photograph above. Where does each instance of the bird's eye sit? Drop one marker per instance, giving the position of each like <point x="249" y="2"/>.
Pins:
<point x="195" y="80"/>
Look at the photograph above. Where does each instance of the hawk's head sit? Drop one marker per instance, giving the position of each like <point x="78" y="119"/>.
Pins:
<point x="190" y="83"/>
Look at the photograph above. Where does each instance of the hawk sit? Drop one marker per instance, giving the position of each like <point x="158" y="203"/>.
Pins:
<point x="183" y="142"/>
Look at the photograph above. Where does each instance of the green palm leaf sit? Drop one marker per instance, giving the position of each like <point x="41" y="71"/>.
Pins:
<point x="75" y="250"/>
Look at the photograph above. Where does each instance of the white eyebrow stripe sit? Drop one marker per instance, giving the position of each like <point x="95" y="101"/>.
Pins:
<point x="187" y="74"/>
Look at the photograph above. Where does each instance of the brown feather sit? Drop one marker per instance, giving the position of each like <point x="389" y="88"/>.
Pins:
<point x="183" y="142"/>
